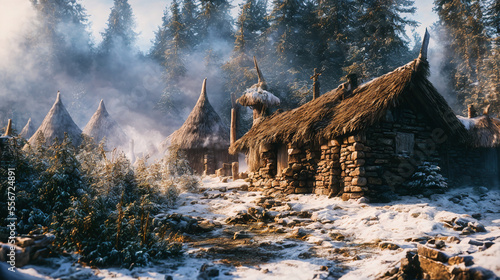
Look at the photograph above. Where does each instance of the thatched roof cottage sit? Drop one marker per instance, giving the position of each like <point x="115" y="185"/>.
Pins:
<point x="101" y="125"/>
<point x="356" y="141"/>
<point x="203" y="137"/>
<point x="56" y="123"/>
<point x="28" y="130"/>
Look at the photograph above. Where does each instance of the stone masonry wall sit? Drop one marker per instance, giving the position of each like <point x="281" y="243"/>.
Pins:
<point x="327" y="179"/>
<point x="388" y="170"/>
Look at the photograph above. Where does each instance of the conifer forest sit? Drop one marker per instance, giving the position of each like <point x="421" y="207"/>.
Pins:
<point x="332" y="139"/>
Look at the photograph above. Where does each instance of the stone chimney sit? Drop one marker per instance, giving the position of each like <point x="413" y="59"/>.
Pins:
<point x="471" y="111"/>
<point x="352" y="79"/>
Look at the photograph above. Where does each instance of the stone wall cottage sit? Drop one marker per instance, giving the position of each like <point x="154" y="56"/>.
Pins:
<point x="356" y="141"/>
<point x="203" y="137"/>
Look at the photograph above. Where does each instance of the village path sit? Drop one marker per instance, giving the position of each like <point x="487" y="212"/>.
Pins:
<point x="251" y="236"/>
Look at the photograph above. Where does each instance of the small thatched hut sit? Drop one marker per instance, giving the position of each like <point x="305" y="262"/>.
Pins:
<point x="28" y="130"/>
<point x="102" y="125"/>
<point x="258" y="98"/>
<point x="203" y="137"/>
<point x="355" y="140"/>
<point x="56" y="123"/>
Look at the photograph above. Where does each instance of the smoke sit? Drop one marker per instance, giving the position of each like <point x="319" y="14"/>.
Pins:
<point x="439" y="78"/>
<point x="34" y="67"/>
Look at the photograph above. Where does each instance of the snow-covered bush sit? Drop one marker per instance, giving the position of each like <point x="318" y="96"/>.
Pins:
<point x="94" y="202"/>
<point x="427" y="180"/>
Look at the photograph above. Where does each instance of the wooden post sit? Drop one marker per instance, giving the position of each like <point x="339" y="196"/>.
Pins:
<point x="8" y="129"/>
<point x="234" y="126"/>
<point x="315" y="77"/>
<point x="235" y="169"/>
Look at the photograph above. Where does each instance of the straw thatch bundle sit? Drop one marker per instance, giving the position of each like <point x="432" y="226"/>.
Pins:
<point x="28" y="130"/>
<point x="484" y="130"/>
<point x="258" y="94"/>
<point x="102" y="125"/>
<point x="341" y="111"/>
<point x="203" y="129"/>
<point x="56" y="123"/>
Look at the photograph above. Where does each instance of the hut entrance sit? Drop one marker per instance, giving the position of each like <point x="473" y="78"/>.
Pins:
<point x="282" y="158"/>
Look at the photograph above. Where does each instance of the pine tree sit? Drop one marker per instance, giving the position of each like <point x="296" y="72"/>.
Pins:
<point x="157" y="51"/>
<point x="189" y="18"/>
<point x="382" y="45"/>
<point x="251" y="25"/>
<point x="63" y="30"/>
<point x="336" y="19"/>
<point x="463" y="20"/>
<point x="493" y="18"/>
<point x="119" y="33"/>
<point x="215" y="18"/>
<point x="285" y="30"/>
<point x="175" y="44"/>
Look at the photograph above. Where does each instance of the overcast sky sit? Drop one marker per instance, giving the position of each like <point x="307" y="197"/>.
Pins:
<point x="148" y="15"/>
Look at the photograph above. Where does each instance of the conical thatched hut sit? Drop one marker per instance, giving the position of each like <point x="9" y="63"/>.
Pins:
<point x="102" y="125"/>
<point x="203" y="137"/>
<point x="28" y="130"/>
<point x="56" y="123"/>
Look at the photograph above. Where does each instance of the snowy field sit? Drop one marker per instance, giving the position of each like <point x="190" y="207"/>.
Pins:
<point x="307" y="236"/>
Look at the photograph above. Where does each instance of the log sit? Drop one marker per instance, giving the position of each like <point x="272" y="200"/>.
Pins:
<point x="234" y="126"/>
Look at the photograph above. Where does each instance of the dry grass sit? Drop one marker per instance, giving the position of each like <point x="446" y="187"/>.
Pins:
<point x="342" y="112"/>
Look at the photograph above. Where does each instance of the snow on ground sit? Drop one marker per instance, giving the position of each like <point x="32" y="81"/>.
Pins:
<point x="339" y="239"/>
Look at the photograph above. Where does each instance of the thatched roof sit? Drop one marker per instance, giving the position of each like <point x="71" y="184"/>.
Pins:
<point x="203" y="129"/>
<point x="102" y="125"/>
<point x="28" y="130"/>
<point x="484" y="130"/>
<point x="257" y="94"/>
<point x="55" y="124"/>
<point x="342" y="112"/>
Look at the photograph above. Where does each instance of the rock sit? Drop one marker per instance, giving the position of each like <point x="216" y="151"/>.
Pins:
<point x="296" y="167"/>
<point x="431" y="253"/>
<point x="337" y="236"/>
<point x="476" y="216"/>
<point x="241" y="235"/>
<point x="323" y="268"/>
<point x="206" y="225"/>
<point x="477" y="227"/>
<point x="24" y="241"/>
<point x="224" y="180"/>
<point x="434" y="269"/>
<point x="363" y="200"/>
<point x="440" y="244"/>
<point x="456" y="260"/>
<point x="207" y="272"/>
<point x="168" y="277"/>
<point x="359" y="181"/>
<point x="288" y="172"/>
<point x="467" y="231"/>
<point x="482" y="190"/>
<point x="453" y="239"/>
<point x="388" y="245"/>
<point x="298" y="233"/>
<point x="44" y="240"/>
